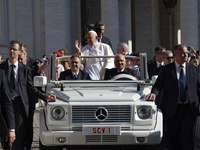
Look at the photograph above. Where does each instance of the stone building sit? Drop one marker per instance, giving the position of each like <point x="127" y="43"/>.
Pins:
<point x="49" y="25"/>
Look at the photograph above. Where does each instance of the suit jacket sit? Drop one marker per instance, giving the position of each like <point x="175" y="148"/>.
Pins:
<point x="157" y="70"/>
<point x="110" y="73"/>
<point x="168" y="82"/>
<point x="33" y="65"/>
<point x="6" y="109"/>
<point x="34" y="68"/>
<point x="25" y="84"/>
<point x="151" y="68"/>
<point x="106" y="41"/>
<point x="67" y="75"/>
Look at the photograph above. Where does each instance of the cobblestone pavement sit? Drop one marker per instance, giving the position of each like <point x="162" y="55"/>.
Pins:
<point x="35" y="144"/>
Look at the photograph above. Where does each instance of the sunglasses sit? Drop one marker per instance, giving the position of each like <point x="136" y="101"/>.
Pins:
<point x="169" y="58"/>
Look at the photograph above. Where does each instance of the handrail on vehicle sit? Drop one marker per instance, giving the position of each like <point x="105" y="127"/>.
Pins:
<point x="142" y="57"/>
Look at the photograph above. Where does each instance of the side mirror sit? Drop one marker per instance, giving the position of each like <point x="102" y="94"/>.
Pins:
<point x="40" y="81"/>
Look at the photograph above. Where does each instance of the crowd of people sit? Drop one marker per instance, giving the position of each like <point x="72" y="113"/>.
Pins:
<point x="179" y="120"/>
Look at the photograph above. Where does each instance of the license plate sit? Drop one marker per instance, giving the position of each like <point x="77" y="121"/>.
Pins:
<point x="101" y="130"/>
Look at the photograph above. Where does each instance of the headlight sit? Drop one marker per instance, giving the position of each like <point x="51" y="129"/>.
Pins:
<point x="144" y="112"/>
<point x="58" y="113"/>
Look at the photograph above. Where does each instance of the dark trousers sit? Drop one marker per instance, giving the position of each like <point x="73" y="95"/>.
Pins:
<point x="20" y="118"/>
<point x="165" y="142"/>
<point x="29" y="126"/>
<point x="180" y="128"/>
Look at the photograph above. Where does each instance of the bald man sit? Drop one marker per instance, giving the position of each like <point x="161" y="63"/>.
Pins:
<point x="120" y="64"/>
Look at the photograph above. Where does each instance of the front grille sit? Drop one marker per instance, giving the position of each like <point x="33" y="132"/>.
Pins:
<point x="101" y="139"/>
<point x="86" y="114"/>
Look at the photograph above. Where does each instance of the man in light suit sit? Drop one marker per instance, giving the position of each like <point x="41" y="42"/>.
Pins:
<point x="120" y="64"/>
<point x="180" y="83"/>
<point x="19" y="93"/>
<point x="7" y="123"/>
<point x="74" y="73"/>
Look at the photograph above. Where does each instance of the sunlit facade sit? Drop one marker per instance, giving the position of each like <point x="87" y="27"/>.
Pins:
<point x="49" y="25"/>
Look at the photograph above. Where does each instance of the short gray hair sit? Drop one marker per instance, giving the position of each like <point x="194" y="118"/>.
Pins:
<point x="166" y="52"/>
<point x="125" y="46"/>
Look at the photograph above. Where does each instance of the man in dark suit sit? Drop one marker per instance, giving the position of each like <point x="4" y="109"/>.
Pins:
<point x="20" y="82"/>
<point x="24" y="59"/>
<point x="168" y="58"/>
<point x="74" y="73"/>
<point x="120" y="64"/>
<point x="7" y="123"/>
<point x="153" y="65"/>
<point x="29" y="61"/>
<point x="180" y="83"/>
<point x="99" y="27"/>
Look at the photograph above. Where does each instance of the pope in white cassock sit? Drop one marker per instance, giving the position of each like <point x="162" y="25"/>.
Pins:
<point x="96" y="66"/>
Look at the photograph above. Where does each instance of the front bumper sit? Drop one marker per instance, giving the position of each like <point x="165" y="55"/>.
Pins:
<point x="146" y="137"/>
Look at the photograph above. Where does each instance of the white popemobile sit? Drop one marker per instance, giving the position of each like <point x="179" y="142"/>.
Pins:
<point x="89" y="113"/>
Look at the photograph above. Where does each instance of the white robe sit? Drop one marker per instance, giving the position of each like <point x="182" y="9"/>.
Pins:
<point x="96" y="66"/>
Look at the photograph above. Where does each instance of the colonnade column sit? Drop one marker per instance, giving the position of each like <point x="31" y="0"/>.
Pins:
<point x="147" y="35"/>
<point x="76" y="23"/>
<point x="57" y="25"/>
<point x="12" y="20"/>
<point x="36" y="30"/>
<point x="189" y="22"/>
<point x="125" y="22"/>
<point x="109" y="15"/>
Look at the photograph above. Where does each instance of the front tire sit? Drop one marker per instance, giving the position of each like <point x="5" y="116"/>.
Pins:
<point x="151" y="147"/>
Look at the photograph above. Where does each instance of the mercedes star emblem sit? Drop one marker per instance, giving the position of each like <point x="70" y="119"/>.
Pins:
<point x="101" y="113"/>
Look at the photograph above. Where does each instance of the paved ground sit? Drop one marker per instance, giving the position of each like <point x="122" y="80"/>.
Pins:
<point x="35" y="145"/>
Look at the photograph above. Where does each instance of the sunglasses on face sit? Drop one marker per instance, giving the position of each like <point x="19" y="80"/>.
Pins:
<point x="169" y="58"/>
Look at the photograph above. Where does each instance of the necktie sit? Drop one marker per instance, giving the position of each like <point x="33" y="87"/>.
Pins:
<point x="75" y="77"/>
<point x="12" y="82"/>
<point x="182" y="86"/>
